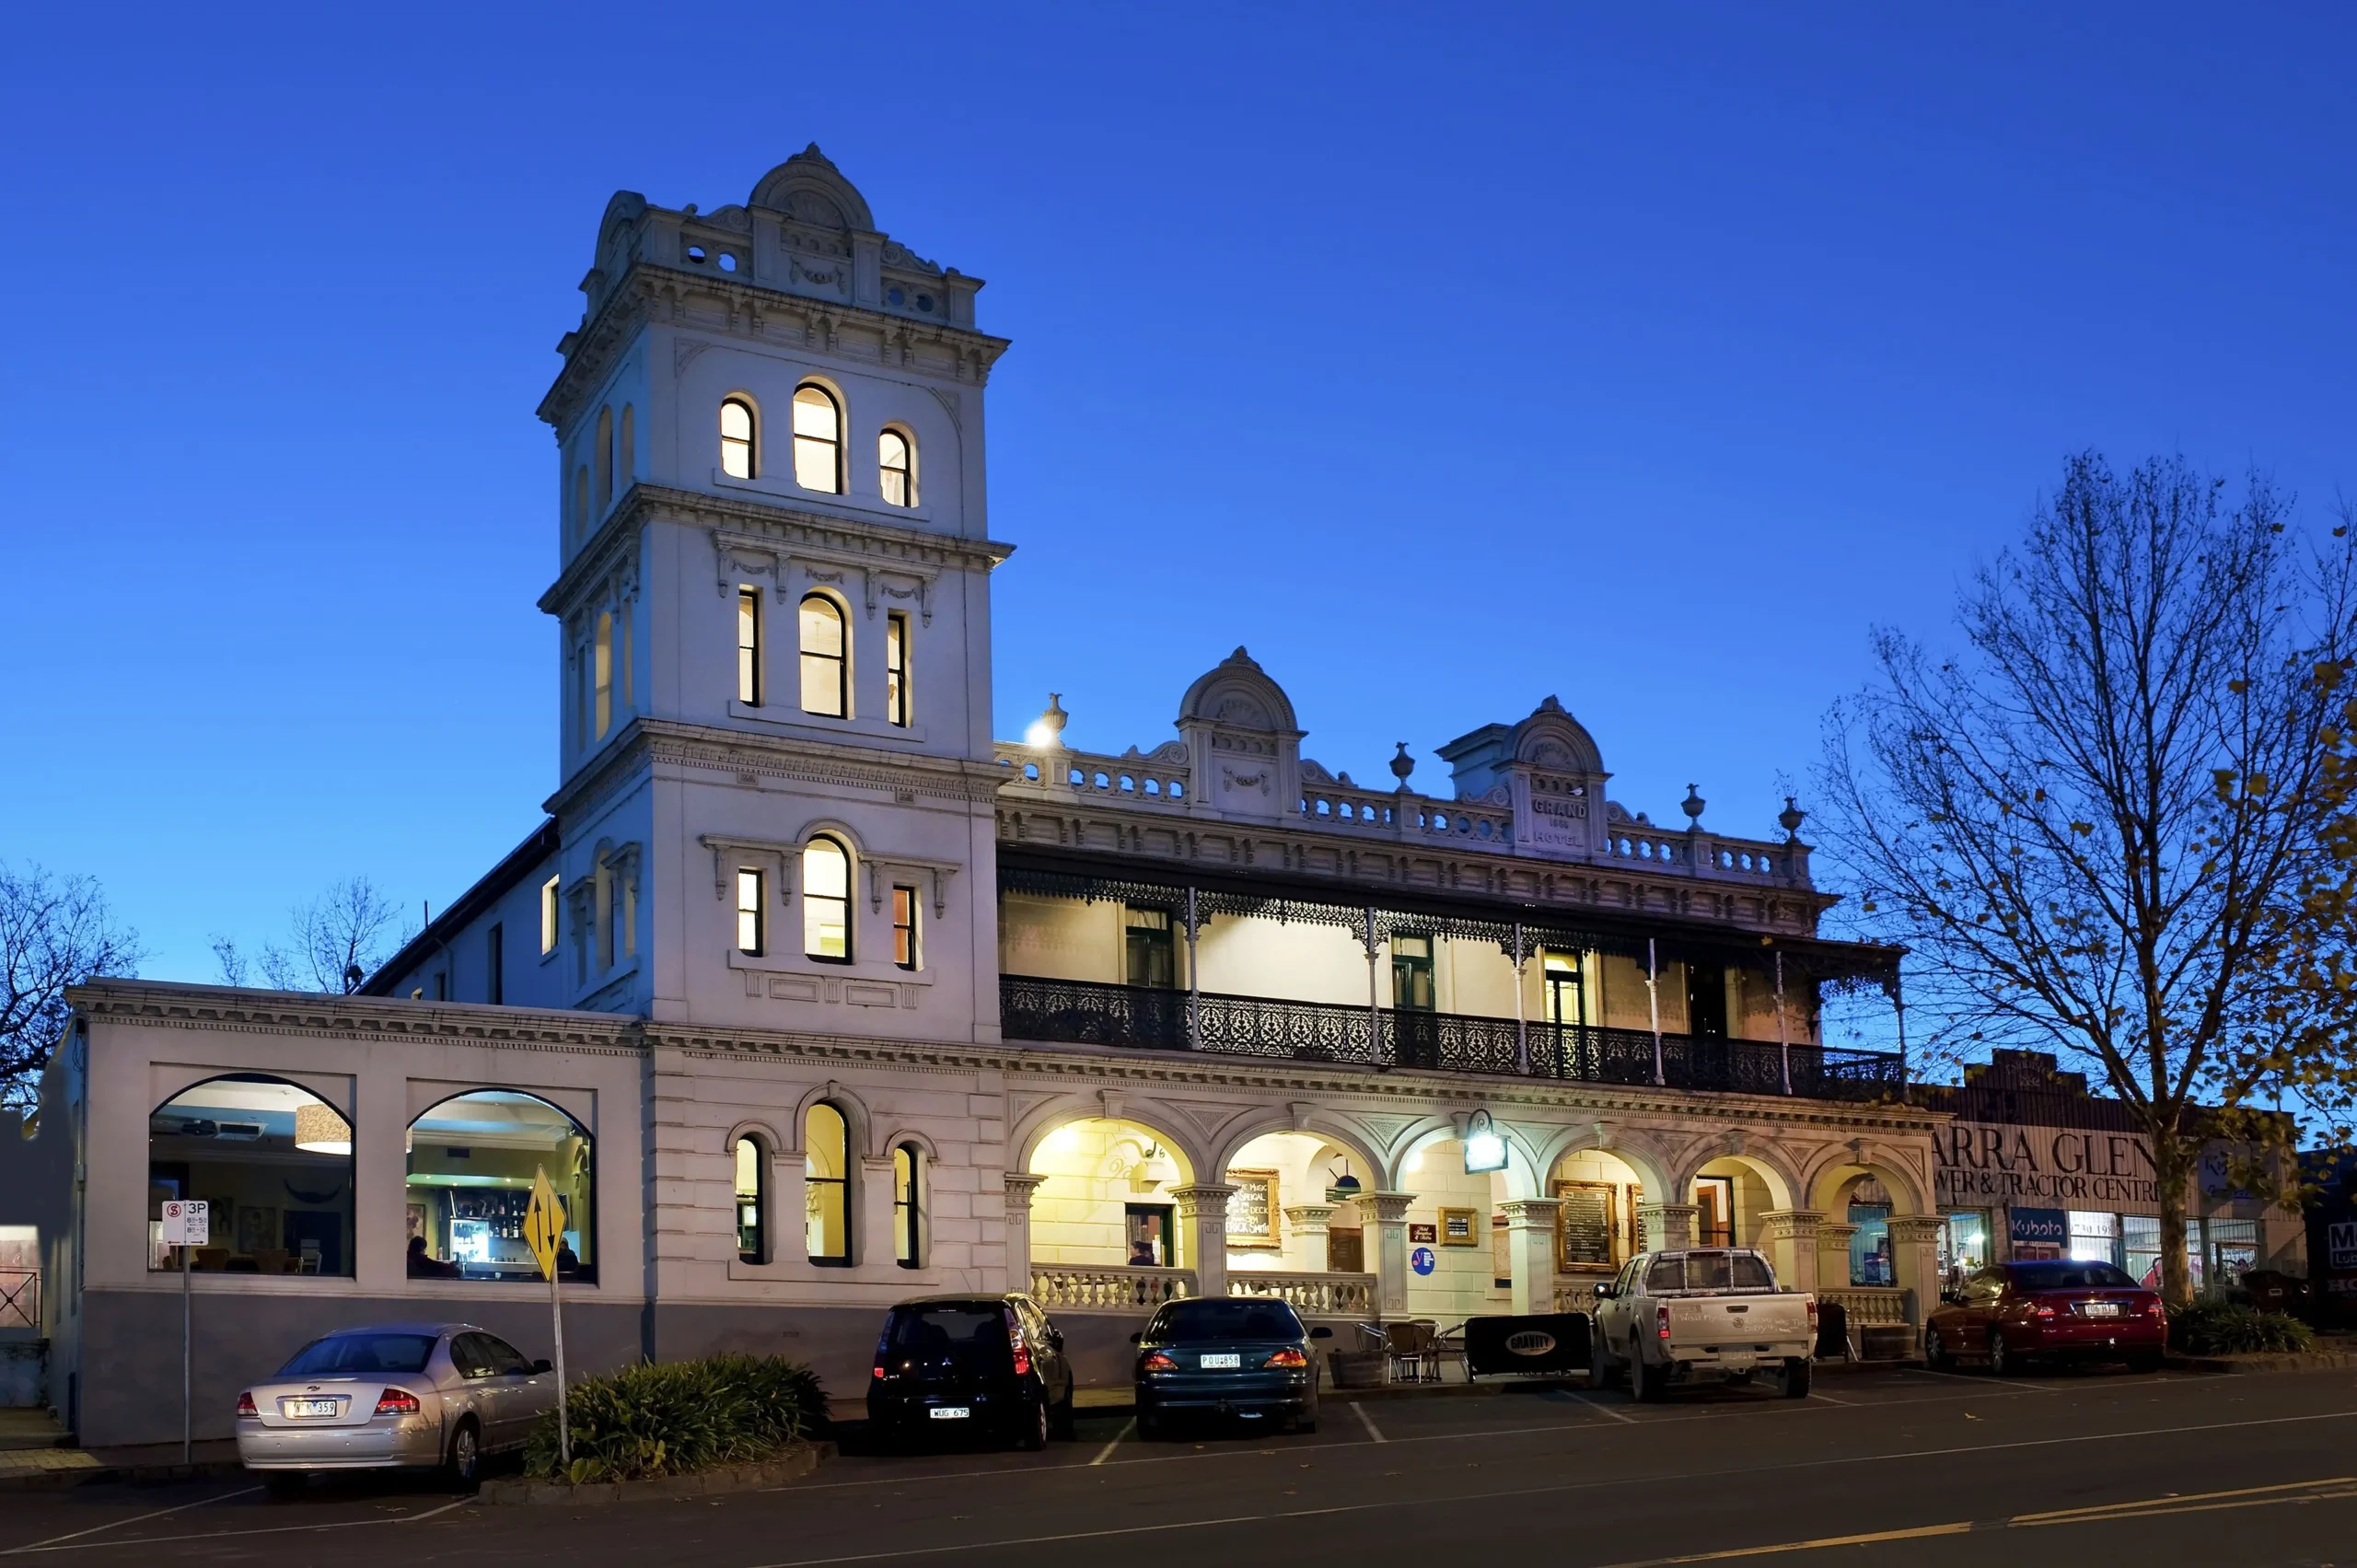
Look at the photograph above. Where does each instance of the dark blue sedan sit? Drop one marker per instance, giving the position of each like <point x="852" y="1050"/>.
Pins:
<point x="1247" y="1357"/>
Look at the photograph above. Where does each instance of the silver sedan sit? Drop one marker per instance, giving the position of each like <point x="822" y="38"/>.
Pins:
<point x="415" y="1395"/>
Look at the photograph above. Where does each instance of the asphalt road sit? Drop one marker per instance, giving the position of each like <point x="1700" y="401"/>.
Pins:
<point x="1892" y="1466"/>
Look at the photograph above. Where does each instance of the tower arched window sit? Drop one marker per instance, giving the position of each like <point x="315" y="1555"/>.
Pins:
<point x="896" y="466"/>
<point x="908" y="1207"/>
<point x="826" y="668"/>
<point x="818" y="440"/>
<point x="737" y="438"/>
<point x="605" y="460"/>
<point x="825" y="903"/>
<point x="752" y="1200"/>
<point x="826" y="1185"/>
<point x="626" y="450"/>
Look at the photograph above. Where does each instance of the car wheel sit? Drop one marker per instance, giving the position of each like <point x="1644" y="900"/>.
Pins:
<point x="1935" y="1352"/>
<point x="1602" y="1371"/>
<point x="2000" y="1358"/>
<point x="1031" y="1428"/>
<point x="1796" y="1378"/>
<point x="1652" y="1382"/>
<point x="287" y="1483"/>
<point x="463" y="1468"/>
<point x="1150" y="1427"/>
<point x="1061" y="1422"/>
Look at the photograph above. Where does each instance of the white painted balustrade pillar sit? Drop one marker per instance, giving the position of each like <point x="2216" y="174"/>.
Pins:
<point x="1390" y="1249"/>
<point x="1791" y="1235"/>
<point x="1834" y="1238"/>
<point x="1307" y="1224"/>
<point x="1202" y="1215"/>
<point x="1667" y="1227"/>
<point x="1020" y="1186"/>
<point x="1915" y="1264"/>
<point x="1530" y="1229"/>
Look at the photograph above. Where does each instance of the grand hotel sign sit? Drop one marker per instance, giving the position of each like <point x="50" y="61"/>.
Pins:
<point x="1979" y="1166"/>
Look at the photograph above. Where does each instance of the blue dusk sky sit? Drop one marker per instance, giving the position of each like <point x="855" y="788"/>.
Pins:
<point x="1446" y="357"/>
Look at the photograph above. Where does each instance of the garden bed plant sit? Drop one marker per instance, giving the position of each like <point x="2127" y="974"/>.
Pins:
<point x="2223" y="1328"/>
<point x="679" y="1417"/>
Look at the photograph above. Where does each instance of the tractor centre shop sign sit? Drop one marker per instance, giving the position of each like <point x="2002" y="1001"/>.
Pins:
<point x="2067" y="1168"/>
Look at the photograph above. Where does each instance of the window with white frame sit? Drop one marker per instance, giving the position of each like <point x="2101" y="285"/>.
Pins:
<point x="818" y="440"/>
<point x="748" y="646"/>
<point x="825" y="903"/>
<point x="737" y="438"/>
<point x="826" y="664"/>
<point x="547" y="916"/>
<point x="896" y="465"/>
<point x="896" y="669"/>
<point x="748" y="912"/>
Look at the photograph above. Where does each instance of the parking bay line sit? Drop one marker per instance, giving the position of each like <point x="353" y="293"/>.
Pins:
<point x="1107" y="1452"/>
<point x="1358" y="1408"/>
<point x="71" y="1545"/>
<point x="126" y="1524"/>
<point x="1999" y="1382"/>
<point x="1915" y="1533"/>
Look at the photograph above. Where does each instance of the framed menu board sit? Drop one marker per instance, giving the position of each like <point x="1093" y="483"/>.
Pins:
<point x="1583" y="1226"/>
<point x="1252" y="1210"/>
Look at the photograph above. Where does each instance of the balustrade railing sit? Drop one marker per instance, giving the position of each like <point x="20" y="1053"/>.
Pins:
<point x="1083" y="1286"/>
<point x="1315" y="1296"/>
<point x="1085" y="1012"/>
<point x="1869" y="1305"/>
<point x="1575" y="1296"/>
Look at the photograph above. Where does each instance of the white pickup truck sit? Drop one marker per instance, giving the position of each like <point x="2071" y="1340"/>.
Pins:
<point x="1706" y="1312"/>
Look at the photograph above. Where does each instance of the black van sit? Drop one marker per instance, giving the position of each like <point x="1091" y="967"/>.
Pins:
<point x="957" y="1364"/>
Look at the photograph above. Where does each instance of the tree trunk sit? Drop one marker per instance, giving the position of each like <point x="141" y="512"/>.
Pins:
<point x="2173" y="1166"/>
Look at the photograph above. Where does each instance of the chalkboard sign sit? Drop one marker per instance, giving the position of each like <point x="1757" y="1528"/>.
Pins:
<point x="1252" y="1209"/>
<point x="1584" y="1224"/>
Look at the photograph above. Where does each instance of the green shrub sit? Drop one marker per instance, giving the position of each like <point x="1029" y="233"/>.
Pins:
<point x="669" y="1418"/>
<point x="2219" y="1328"/>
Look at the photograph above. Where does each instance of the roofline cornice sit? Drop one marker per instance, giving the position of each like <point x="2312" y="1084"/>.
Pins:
<point x="646" y="742"/>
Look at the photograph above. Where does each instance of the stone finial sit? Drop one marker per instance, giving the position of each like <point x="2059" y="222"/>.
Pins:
<point x="1048" y="729"/>
<point x="1692" y="805"/>
<point x="1402" y="765"/>
<point x="1790" y="819"/>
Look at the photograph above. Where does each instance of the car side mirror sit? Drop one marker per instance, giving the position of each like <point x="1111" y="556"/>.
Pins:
<point x="1137" y="1339"/>
<point x="1321" y="1332"/>
<point x="541" y="1365"/>
<point x="1604" y="1293"/>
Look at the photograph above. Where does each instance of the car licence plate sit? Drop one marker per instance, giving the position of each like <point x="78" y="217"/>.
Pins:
<point x="2100" y="1308"/>
<point x="952" y="1412"/>
<point x="1220" y="1361"/>
<point x="300" y="1410"/>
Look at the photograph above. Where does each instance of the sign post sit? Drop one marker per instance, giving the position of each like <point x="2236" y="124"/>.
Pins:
<point x="544" y="1232"/>
<point x="187" y="1226"/>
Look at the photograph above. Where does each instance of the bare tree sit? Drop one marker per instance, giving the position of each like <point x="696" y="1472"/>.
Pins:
<point x="335" y="942"/>
<point x="54" y="931"/>
<point x="2100" y="828"/>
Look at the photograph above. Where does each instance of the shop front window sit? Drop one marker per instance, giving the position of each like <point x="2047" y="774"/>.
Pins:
<point x="273" y="1160"/>
<point x="2094" y="1237"/>
<point x="1149" y="1232"/>
<point x="2234" y="1250"/>
<point x="1870" y="1257"/>
<point x="1964" y="1244"/>
<point x="2140" y="1246"/>
<point x="472" y="1162"/>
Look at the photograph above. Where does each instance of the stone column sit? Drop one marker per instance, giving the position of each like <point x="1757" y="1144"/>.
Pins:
<point x="1020" y="1186"/>
<point x="1307" y="1224"/>
<point x="1792" y="1246"/>
<point x="1833" y="1254"/>
<point x="1915" y="1264"/>
<point x="1530" y="1228"/>
<point x="1667" y="1227"/>
<point x="1202" y="1214"/>
<point x="1390" y="1249"/>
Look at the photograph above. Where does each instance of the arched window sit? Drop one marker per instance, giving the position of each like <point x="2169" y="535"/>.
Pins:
<point x="581" y="498"/>
<point x="626" y="455"/>
<point x="752" y="1201"/>
<point x="737" y="438"/>
<point x="896" y="463"/>
<point x="818" y="440"/>
<point x="826" y="1164"/>
<point x="908" y="1207"/>
<point x="826" y="672"/>
<point x="825" y="903"/>
<point x="605" y="672"/>
<point x="471" y="1163"/>
<point x="274" y="1162"/>
<point x="605" y="460"/>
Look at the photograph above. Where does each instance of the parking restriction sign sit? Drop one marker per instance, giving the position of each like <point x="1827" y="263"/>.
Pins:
<point x="187" y="1224"/>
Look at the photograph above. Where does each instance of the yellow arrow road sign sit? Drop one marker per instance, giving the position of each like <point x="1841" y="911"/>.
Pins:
<point x="544" y="1223"/>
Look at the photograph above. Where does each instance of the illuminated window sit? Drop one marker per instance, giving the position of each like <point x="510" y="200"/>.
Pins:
<point x="737" y="438"/>
<point x="748" y="912"/>
<point x="826" y="1163"/>
<point x="896" y="462"/>
<point x="825" y="903"/>
<point x="548" y="915"/>
<point x="473" y="1163"/>
<point x="748" y="646"/>
<point x="907" y="1211"/>
<point x="904" y="928"/>
<point x="273" y="1160"/>
<point x="896" y="669"/>
<point x="605" y="460"/>
<point x="752" y="1200"/>
<point x="825" y="684"/>
<point x="817" y="440"/>
<point x="605" y="681"/>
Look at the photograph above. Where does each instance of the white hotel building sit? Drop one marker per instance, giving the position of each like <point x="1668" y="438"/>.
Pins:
<point x="811" y="995"/>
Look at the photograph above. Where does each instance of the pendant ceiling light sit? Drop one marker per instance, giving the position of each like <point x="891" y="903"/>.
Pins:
<point x="319" y="1131"/>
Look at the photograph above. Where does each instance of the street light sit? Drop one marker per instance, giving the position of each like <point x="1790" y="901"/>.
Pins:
<point x="1485" y="1146"/>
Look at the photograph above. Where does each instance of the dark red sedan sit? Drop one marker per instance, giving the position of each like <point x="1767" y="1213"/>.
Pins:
<point x="2017" y="1313"/>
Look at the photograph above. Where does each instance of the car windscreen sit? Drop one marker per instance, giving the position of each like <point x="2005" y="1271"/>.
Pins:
<point x="341" y="1354"/>
<point x="2071" y="1275"/>
<point x="966" y="1333"/>
<point x="1200" y="1322"/>
<point x="1708" y="1271"/>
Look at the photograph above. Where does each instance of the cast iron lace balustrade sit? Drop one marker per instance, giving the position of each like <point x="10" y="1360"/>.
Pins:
<point x="1084" y="1012"/>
